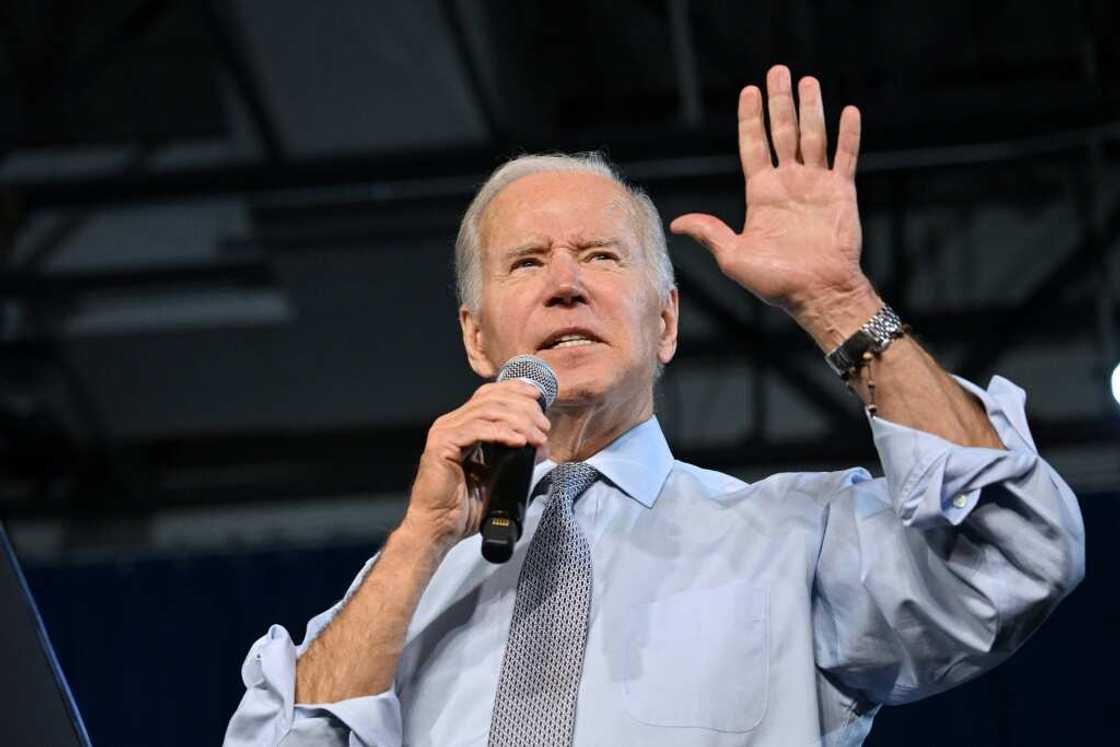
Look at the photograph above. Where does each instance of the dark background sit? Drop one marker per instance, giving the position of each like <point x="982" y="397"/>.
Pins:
<point x="226" y="317"/>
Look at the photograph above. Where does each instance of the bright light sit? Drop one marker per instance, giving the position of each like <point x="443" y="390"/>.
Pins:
<point x="1116" y="383"/>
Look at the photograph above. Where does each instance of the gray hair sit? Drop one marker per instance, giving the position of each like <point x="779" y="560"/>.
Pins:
<point x="468" y="249"/>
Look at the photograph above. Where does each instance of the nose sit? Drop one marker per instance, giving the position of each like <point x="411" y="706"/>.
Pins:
<point x="565" y="282"/>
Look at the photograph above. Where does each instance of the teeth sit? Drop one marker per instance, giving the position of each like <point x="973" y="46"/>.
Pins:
<point x="567" y="341"/>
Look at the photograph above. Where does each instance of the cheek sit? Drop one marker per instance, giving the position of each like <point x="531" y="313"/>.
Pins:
<point x="506" y="317"/>
<point x="644" y="323"/>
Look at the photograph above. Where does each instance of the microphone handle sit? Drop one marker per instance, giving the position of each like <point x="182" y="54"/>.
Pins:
<point x="509" y="494"/>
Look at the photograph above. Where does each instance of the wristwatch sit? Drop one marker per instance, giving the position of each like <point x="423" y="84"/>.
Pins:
<point x="874" y="337"/>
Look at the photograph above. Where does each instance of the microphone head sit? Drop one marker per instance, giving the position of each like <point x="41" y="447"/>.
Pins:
<point x="534" y="370"/>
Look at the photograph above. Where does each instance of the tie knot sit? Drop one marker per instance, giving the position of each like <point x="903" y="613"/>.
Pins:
<point x="570" y="479"/>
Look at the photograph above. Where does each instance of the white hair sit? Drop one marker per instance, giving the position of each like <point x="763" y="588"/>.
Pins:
<point x="468" y="249"/>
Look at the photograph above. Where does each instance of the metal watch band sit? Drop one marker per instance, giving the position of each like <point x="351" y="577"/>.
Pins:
<point x="874" y="336"/>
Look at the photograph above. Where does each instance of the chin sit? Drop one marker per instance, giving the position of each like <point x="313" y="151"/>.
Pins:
<point x="579" y="394"/>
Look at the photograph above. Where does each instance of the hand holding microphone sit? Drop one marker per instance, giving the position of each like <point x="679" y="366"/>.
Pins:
<point x="510" y="470"/>
<point x="506" y="418"/>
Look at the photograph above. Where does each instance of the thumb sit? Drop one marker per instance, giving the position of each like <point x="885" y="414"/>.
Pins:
<point x="706" y="229"/>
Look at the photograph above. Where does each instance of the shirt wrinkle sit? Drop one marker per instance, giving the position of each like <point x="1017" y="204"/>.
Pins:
<point x="790" y="624"/>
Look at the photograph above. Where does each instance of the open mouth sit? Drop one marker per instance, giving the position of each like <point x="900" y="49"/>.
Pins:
<point x="569" y="340"/>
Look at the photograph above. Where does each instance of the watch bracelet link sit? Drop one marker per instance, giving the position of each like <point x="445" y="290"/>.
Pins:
<point x="873" y="337"/>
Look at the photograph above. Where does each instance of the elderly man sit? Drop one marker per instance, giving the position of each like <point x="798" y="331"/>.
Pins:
<point x="653" y="602"/>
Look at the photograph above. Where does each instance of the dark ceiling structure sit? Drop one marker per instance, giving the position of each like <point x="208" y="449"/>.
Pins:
<point x="225" y="226"/>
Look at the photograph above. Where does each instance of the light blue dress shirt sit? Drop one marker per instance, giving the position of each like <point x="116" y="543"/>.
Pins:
<point x="782" y="612"/>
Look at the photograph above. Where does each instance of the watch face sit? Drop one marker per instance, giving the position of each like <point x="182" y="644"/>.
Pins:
<point x="847" y="356"/>
<point x="835" y="363"/>
<point x="874" y="336"/>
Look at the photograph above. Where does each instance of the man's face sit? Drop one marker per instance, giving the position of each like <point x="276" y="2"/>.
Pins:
<point x="564" y="277"/>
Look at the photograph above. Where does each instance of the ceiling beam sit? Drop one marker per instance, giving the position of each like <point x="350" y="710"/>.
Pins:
<point x="231" y="51"/>
<point x="255" y="467"/>
<point x="42" y="96"/>
<point x="991" y="341"/>
<point x="689" y="159"/>
<point x="472" y="68"/>
<point x="63" y="286"/>
<point x="749" y="341"/>
<point x="945" y="329"/>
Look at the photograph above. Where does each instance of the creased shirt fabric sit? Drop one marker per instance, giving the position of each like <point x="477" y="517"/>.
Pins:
<point x="782" y="612"/>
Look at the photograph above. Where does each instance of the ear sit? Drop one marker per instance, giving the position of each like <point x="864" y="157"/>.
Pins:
<point x="474" y="344"/>
<point x="670" y="314"/>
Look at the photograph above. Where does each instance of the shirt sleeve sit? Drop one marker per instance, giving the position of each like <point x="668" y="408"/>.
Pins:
<point x="941" y="569"/>
<point x="268" y="714"/>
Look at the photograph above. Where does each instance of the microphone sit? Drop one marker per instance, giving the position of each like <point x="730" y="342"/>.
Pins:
<point x="511" y="469"/>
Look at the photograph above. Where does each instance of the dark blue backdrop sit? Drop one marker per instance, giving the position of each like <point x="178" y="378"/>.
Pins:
<point x="153" y="647"/>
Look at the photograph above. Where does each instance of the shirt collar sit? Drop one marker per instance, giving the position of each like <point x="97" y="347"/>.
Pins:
<point x="637" y="462"/>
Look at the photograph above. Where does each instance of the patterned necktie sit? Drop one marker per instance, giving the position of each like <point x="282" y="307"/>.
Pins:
<point x="536" y="700"/>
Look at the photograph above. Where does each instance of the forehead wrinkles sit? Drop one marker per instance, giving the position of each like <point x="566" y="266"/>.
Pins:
<point x="620" y="205"/>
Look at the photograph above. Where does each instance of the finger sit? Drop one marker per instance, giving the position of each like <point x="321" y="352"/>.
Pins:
<point x="519" y="390"/>
<point x="489" y="432"/>
<point x="493" y="404"/>
<point x="754" y="148"/>
<point x="517" y="386"/>
<point x="476" y="473"/>
<point x="783" y="119"/>
<point x="514" y="408"/>
<point x="458" y="444"/>
<point x="511" y="393"/>
<point x="498" y="403"/>
<point x="525" y="387"/>
<point x="522" y="422"/>
<point x="847" y="142"/>
<point x="706" y="229"/>
<point x="814" y="139"/>
<point x="529" y="423"/>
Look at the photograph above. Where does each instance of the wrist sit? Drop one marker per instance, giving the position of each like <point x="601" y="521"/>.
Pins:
<point x="423" y="538"/>
<point x="831" y="318"/>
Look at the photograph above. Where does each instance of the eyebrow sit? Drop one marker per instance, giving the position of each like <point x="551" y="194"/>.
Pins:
<point x="537" y="247"/>
<point x="598" y="243"/>
<point x="533" y="247"/>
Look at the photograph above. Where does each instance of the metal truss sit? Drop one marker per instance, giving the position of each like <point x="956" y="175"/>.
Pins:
<point x="60" y="460"/>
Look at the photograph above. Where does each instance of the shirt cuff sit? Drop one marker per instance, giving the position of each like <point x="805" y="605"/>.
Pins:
<point x="932" y="480"/>
<point x="269" y="669"/>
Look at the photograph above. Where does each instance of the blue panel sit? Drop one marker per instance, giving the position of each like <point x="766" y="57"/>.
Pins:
<point x="153" y="648"/>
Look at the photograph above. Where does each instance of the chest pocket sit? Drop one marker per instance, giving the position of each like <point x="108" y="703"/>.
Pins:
<point x="699" y="659"/>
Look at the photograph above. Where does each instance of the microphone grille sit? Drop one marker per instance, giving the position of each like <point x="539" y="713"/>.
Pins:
<point x="533" y="369"/>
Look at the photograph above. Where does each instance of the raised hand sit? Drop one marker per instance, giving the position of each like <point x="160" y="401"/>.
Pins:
<point x="800" y="244"/>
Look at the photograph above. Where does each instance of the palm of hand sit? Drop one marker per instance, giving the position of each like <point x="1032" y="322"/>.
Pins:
<point x="801" y="239"/>
<point x="801" y="236"/>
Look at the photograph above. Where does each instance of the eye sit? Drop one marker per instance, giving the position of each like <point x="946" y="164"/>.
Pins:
<point x="599" y="256"/>
<point x="525" y="262"/>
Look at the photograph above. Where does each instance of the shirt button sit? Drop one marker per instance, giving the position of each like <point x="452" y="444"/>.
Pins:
<point x="960" y="501"/>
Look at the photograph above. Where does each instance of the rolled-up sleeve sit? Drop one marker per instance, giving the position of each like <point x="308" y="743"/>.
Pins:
<point x="942" y="568"/>
<point x="932" y="480"/>
<point x="268" y="714"/>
